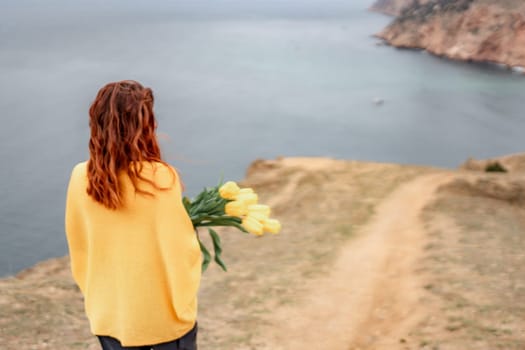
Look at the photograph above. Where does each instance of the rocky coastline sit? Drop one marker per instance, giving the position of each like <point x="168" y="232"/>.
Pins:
<point x="393" y="7"/>
<point x="465" y="30"/>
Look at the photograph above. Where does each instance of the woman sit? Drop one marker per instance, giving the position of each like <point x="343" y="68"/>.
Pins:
<point x="134" y="253"/>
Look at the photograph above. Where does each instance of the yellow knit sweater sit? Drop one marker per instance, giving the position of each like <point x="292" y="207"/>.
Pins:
<point x="138" y="267"/>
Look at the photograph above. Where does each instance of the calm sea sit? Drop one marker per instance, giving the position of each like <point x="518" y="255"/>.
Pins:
<point x="234" y="81"/>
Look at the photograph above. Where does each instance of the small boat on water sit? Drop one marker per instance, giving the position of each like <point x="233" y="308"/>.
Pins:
<point x="378" y="101"/>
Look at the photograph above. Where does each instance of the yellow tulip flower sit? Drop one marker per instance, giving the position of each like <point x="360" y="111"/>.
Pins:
<point x="259" y="208"/>
<point x="236" y="208"/>
<point x="248" y="198"/>
<point x="229" y="190"/>
<point x="246" y="190"/>
<point x="252" y="225"/>
<point x="258" y="216"/>
<point x="272" y="226"/>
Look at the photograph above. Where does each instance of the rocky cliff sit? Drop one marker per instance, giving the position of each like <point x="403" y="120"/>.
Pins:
<point x="394" y="7"/>
<point x="469" y="30"/>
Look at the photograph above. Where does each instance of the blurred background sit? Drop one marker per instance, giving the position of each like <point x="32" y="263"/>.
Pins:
<point x="234" y="81"/>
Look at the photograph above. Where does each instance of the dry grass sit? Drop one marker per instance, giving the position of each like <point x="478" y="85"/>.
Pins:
<point x="323" y="210"/>
<point x="320" y="202"/>
<point x="42" y="309"/>
<point x="475" y="270"/>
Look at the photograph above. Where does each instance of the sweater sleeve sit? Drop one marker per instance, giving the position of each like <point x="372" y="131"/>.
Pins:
<point x="75" y="233"/>
<point x="181" y="254"/>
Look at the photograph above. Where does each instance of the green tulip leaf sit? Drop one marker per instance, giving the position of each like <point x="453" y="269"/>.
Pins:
<point x="187" y="204"/>
<point x="206" y="256"/>
<point x="217" y="248"/>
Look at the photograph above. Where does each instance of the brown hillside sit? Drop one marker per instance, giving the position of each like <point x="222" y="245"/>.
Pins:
<point x="372" y="256"/>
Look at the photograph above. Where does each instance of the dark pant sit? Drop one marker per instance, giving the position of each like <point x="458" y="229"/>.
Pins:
<point x="186" y="342"/>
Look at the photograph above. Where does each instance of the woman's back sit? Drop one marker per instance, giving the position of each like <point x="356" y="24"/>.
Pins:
<point x="137" y="265"/>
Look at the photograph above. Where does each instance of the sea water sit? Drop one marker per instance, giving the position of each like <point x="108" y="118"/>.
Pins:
<point x="233" y="81"/>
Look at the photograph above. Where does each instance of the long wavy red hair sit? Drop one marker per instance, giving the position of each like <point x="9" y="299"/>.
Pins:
<point x="123" y="136"/>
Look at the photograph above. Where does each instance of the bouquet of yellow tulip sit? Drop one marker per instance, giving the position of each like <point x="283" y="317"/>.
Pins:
<point x="228" y="205"/>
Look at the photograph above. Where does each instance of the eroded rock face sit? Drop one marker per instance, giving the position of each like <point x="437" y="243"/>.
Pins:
<point x="508" y="190"/>
<point x="508" y="187"/>
<point x="390" y="7"/>
<point x="514" y="163"/>
<point x="469" y="30"/>
<point x="394" y="7"/>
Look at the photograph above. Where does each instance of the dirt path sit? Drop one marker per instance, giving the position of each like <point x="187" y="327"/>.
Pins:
<point x="354" y="268"/>
<point x="369" y="298"/>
